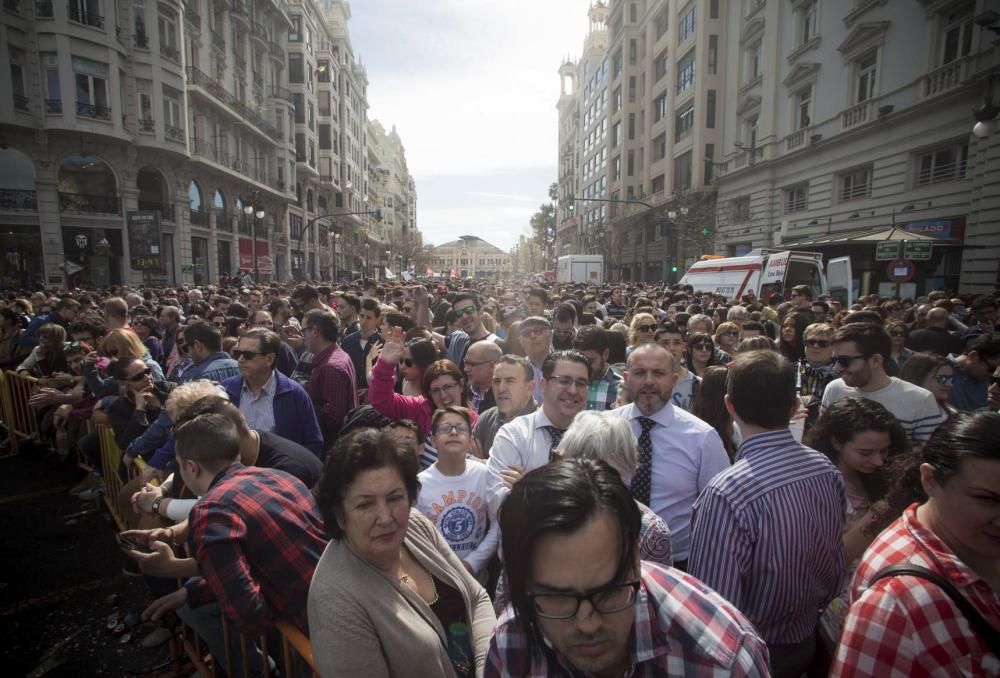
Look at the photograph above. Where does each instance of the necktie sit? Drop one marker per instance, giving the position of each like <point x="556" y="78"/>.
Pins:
<point x="556" y="434"/>
<point x="643" y="479"/>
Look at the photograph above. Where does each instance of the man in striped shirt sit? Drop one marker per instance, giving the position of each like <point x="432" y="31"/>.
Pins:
<point x="766" y="532"/>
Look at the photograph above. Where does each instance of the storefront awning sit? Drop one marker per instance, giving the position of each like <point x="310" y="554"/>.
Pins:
<point x="866" y="236"/>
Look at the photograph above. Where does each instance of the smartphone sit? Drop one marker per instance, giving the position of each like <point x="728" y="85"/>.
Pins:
<point x="129" y="544"/>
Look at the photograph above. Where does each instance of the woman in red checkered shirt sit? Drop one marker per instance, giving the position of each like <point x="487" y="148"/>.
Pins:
<point x="907" y="625"/>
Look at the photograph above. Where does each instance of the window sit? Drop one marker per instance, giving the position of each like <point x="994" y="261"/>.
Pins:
<point x="803" y="107"/>
<point x="299" y="103"/>
<point x="167" y="28"/>
<point x="325" y="139"/>
<point x="660" y="65"/>
<point x="17" y="77"/>
<point x="300" y="146"/>
<point x="616" y="69"/>
<point x="660" y="147"/>
<point x="145" y="108"/>
<point x="53" y="90"/>
<point x="685" y="72"/>
<point x="616" y="168"/>
<point x="797" y="198"/>
<point x="739" y="209"/>
<point x="713" y="54"/>
<point x="687" y="22"/>
<point x="295" y="33"/>
<point x="631" y="125"/>
<point x="631" y="89"/>
<point x="684" y="122"/>
<point x="617" y="100"/>
<point x="630" y="163"/>
<point x="682" y="172"/>
<point x="713" y="9"/>
<point x="809" y="20"/>
<point x="957" y="39"/>
<point x="753" y="62"/>
<point x="867" y="72"/>
<point x="750" y="132"/>
<point x="662" y="21"/>
<point x="657" y="186"/>
<point x="172" y="120"/>
<point x="660" y="107"/>
<point x="296" y="72"/>
<point x="709" y="158"/>
<point x="91" y="88"/>
<point x="943" y="164"/>
<point x="631" y="52"/>
<point x="710" y="109"/>
<point x="616" y="134"/>
<point x="856" y="184"/>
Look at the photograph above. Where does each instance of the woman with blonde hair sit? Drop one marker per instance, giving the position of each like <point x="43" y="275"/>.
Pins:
<point x="642" y="330"/>
<point x="118" y="343"/>
<point x="727" y="337"/>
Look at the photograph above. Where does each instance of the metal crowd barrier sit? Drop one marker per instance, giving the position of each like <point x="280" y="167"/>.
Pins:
<point x="295" y="659"/>
<point x="111" y="457"/>
<point x="19" y="418"/>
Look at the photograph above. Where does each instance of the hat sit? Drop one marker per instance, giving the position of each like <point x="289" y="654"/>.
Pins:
<point x="536" y="321"/>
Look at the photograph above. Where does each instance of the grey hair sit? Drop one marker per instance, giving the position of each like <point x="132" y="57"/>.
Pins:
<point x="735" y="313"/>
<point x="605" y="436"/>
<point x="701" y="318"/>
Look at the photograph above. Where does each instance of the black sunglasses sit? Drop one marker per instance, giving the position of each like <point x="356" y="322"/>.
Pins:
<point x="249" y="355"/>
<point x="846" y="360"/>
<point x="408" y="362"/>
<point x="136" y="378"/>
<point x="646" y="328"/>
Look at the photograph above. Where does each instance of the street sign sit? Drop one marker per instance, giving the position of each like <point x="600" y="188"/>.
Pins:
<point x="918" y="250"/>
<point x="71" y="268"/>
<point x="887" y="250"/>
<point x="900" y="270"/>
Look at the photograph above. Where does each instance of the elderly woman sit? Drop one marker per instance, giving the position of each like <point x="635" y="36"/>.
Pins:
<point x="642" y="330"/>
<point x="443" y="384"/>
<point x="905" y="624"/>
<point x="388" y="597"/>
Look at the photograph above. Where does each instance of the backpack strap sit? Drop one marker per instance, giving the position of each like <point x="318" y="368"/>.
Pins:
<point x="983" y="628"/>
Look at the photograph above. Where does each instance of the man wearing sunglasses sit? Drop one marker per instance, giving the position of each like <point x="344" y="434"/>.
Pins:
<point x="584" y="604"/>
<point x="861" y="351"/>
<point x="270" y="401"/>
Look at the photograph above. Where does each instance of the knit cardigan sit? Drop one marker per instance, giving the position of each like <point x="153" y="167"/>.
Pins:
<point x="364" y="622"/>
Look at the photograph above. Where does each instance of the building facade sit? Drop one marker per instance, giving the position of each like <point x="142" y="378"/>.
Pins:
<point x="854" y="117"/>
<point x="471" y="257"/>
<point x="235" y="123"/>
<point x="392" y="189"/>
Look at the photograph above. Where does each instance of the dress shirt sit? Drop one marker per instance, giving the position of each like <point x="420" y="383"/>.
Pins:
<point x="490" y="422"/>
<point x="536" y="392"/>
<point x="258" y="410"/>
<point x="907" y="626"/>
<point x="681" y="628"/>
<point x="767" y="535"/>
<point x="687" y="453"/>
<point x="603" y="392"/>
<point x="333" y="390"/>
<point x="524" y="441"/>
<point x="257" y="535"/>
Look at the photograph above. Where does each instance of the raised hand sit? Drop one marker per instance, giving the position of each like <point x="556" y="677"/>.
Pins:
<point x="393" y="346"/>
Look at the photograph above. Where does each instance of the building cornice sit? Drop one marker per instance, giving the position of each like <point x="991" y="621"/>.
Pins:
<point x="864" y="37"/>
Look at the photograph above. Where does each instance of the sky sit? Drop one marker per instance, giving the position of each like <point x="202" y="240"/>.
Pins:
<point x="471" y="87"/>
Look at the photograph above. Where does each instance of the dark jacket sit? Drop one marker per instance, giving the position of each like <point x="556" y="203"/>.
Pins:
<point x="352" y="346"/>
<point x="126" y="423"/>
<point x="294" y="416"/>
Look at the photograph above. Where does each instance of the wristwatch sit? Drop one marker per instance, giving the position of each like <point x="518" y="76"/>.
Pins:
<point x="156" y="505"/>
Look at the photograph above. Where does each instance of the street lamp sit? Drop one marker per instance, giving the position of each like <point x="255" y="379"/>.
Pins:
<point x="336" y="237"/>
<point x="253" y="214"/>
<point x="388" y="260"/>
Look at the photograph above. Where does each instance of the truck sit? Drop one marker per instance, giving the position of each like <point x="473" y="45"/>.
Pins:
<point x="587" y="269"/>
<point x="765" y="271"/>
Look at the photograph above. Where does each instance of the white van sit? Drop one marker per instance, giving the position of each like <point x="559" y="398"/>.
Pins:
<point x="766" y="271"/>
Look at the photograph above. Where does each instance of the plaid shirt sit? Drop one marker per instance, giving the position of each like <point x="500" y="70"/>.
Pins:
<point x="907" y="626"/>
<point x="603" y="392"/>
<point x="257" y="536"/>
<point x="682" y="628"/>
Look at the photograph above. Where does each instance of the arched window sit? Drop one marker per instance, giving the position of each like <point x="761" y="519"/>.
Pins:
<point x="194" y="196"/>
<point x="309" y="200"/>
<point x="219" y="202"/>
<point x="17" y="180"/>
<point x="152" y="189"/>
<point x="87" y="184"/>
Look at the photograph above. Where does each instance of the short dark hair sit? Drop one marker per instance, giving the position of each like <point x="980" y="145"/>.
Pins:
<point x="519" y="361"/>
<point x="565" y="311"/>
<point x="986" y="346"/>
<point x="325" y="321"/>
<point x="758" y="372"/>
<point x="466" y="295"/>
<point x="366" y="449"/>
<point x="212" y="440"/>
<point x="408" y="424"/>
<point x="304" y="293"/>
<point x="591" y="338"/>
<point x="561" y="499"/>
<point x="216" y="404"/>
<point x="463" y="412"/>
<point x="823" y="305"/>
<point x="115" y="307"/>
<point x="119" y="367"/>
<point x="204" y="332"/>
<point x="964" y="435"/>
<point x="549" y="364"/>
<point x="400" y="320"/>
<point x="67" y="302"/>
<point x="270" y="342"/>
<point x="423" y="350"/>
<point x="369" y="304"/>
<point x="539" y="293"/>
<point x="804" y="290"/>
<point x="753" y="325"/>
<point x="870" y="338"/>
<point x="351" y="299"/>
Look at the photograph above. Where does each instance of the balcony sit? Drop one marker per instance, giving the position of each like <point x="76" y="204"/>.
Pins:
<point x="223" y="221"/>
<point x="856" y="115"/>
<point x="85" y="18"/>
<point x="935" y="174"/>
<point x="87" y="110"/>
<point x="140" y="39"/>
<point x="53" y="106"/>
<point x="21" y="102"/>
<point x="258" y="32"/>
<point x="945" y="78"/>
<point x="43" y="9"/>
<point x="89" y="204"/>
<point x="219" y="40"/>
<point x="240" y="109"/>
<point x="12" y="6"/>
<point x="278" y="92"/>
<point x="147" y="125"/>
<point x="199" y="218"/>
<point x="166" y="211"/>
<point x="192" y="17"/>
<point x="276" y="51"/>
<point x="14" y="199"/>
<point x="170" y="53"/>
<point x="238" y="10"/>
<point x="796" y="139"/>
<point x="175" y="133"/>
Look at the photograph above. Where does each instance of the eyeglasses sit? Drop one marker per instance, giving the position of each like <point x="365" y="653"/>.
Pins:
<point x="474" y="364"/>
<point x="646" y="328"/>
<point x="605" y="600"/>
<point x="846" y="360"/>
<point x="533" y="331"/>
<point x="441" y="389"/>
<point x="246" y="355"/>
<point x="136" y="378"/>
<point x="566" y="382"/>
<point x="468" y="310"/>
<point x="442" y="429"/>
<point x="730" y="333"/>
<point x="945" y="379"/>
<point x="703" y="346"/>
<point x="897" y="333"/>
<point x="406" y="362"/>
<point x="818" y="343"/>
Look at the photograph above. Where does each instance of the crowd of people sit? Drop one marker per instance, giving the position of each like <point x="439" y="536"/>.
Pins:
<point x="504" y="479"/>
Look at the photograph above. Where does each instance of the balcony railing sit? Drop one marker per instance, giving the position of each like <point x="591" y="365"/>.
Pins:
<point x="167" y="212"/>
<point x="175" y="133"/>
<point x="795" y="139"/>
<point x="941" y="172"/>
<point x="219" y="40"/>
<point x="199" y="218"/>
<point x="87" y="110"/>
<point x="856" y="115"/>
<point x="21" y="102"/>
<point x="201" y="79"/>
<point x="93" y="204"/>
<point x="147" y="125"/>
<point x="140" y="38"/>
<point x="84" y="17"/>
<point x="276" y="50"/>
<point x="193" y="17"/>
<point x="15" y="199"/>
<point x="43" y="9"/>
<point x="53" y="106"/>
<point x="945" y="78"/>
<point x="12" y="6"/>
<point x="223" y="221"/>
<point x="278" y="92"/>
<point x="170" y="52"/>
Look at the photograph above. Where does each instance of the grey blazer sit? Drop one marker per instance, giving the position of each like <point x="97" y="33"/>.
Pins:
<point x="363" y="622"/>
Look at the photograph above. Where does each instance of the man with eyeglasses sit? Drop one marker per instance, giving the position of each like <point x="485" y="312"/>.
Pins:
<point x="817" y="370"/>
<point x="564" y="321"/>
<point x="584" y="604"/>
<point x="861" y="351"/>
<point x="286" y="355"/>
<point x="332" y="384"/>
<point x="535" y="334"/>
<point x="678" y="452"/>
<point x="530" y="441"/>
<point x="479" y="362"/>
<point x="268" y="399"/>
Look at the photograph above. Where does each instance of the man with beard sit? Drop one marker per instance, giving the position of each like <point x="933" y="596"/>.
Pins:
<point x="529" y="441"/>
<point x="861" y="351"/>
<point x="564" y="321"/>
<point x="592" y="341"/>
<point x="466" y="306"/>
<point x="678" y="453"/>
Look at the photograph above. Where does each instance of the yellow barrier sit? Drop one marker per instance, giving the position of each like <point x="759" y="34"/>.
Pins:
<point x="111" y="457"/>
<point x="6" y="417"/>
<point x="296" y="658"/>
<point x="20" y="418"/>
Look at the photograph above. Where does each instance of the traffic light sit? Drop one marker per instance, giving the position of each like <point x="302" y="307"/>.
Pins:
<point x="673" y="269"/>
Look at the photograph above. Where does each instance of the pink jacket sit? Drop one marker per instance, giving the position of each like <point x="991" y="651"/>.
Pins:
<point x="395" y="406"/>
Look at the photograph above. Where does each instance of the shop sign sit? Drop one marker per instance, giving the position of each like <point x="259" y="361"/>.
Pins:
<point x="937" y="228"/>
<point x="887" y="250"/>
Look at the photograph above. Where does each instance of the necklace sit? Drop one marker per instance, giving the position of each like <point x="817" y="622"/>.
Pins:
<point x="412" y="583"/>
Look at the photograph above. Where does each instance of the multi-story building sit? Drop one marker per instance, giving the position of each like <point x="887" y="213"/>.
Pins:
<point x="471" y="257"/>
<point x="662" y="73"/>
<point x="853" y="118"/>
<point x="206" y="114"/>
<point x="392" y="189"/>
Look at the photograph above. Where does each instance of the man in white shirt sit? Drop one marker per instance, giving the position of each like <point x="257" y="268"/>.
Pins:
<point x="528" y="441"/>
<point x="678" y="453"/>
<point x="860" y="351"/>
<point x="670" y="337"/>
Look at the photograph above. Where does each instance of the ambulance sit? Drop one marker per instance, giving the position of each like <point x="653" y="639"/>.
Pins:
<point x="766" y="271"/>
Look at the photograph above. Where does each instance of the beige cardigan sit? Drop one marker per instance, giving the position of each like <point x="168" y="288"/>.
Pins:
<point x="363" y="622"/>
